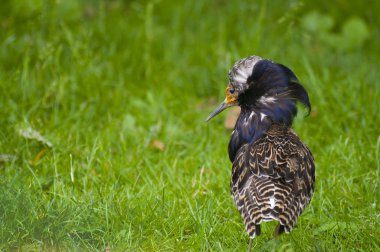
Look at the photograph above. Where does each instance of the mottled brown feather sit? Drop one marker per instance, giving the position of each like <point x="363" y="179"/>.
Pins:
<point x="272" y="179"/>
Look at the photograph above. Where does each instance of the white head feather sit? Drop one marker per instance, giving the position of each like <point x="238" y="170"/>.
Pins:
<point x="241" y="71"/>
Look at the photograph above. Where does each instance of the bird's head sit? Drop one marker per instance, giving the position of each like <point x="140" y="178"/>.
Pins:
<point x="264" y="87"/>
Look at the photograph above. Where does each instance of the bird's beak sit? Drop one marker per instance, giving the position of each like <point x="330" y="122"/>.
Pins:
<point x="231" y="100"/>
<point x="219" y="109"/>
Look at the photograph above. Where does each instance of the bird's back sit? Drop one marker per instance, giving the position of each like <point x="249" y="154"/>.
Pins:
<point x="272" y="179"/>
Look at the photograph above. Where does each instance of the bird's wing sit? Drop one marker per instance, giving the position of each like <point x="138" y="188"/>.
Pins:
<point x="281" y="156"/>
<point x="272" y="179"/>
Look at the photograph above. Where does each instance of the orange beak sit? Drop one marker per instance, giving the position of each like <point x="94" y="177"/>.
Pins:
<point x="231" y="100"/>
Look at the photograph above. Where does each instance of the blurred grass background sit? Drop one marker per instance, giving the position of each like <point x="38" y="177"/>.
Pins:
<point x="102" y="133"/>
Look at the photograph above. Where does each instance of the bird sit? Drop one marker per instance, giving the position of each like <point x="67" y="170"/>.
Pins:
<point x="273" y="171"/>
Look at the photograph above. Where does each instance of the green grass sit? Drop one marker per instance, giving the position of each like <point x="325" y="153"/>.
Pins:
<point x="102" y="80"/>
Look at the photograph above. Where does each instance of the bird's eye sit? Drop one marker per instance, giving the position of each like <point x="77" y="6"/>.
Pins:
<point x="232" y="90"/>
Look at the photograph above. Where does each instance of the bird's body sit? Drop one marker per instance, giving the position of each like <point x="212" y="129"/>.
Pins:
<point x="272" y="171"/>
<point x="272" y="179"/>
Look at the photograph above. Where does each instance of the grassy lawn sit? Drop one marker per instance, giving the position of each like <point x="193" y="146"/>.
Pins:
<point x="102" y="133"/>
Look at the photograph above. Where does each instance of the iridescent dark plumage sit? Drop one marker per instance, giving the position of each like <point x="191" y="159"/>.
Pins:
<point x="273" y="171"/>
